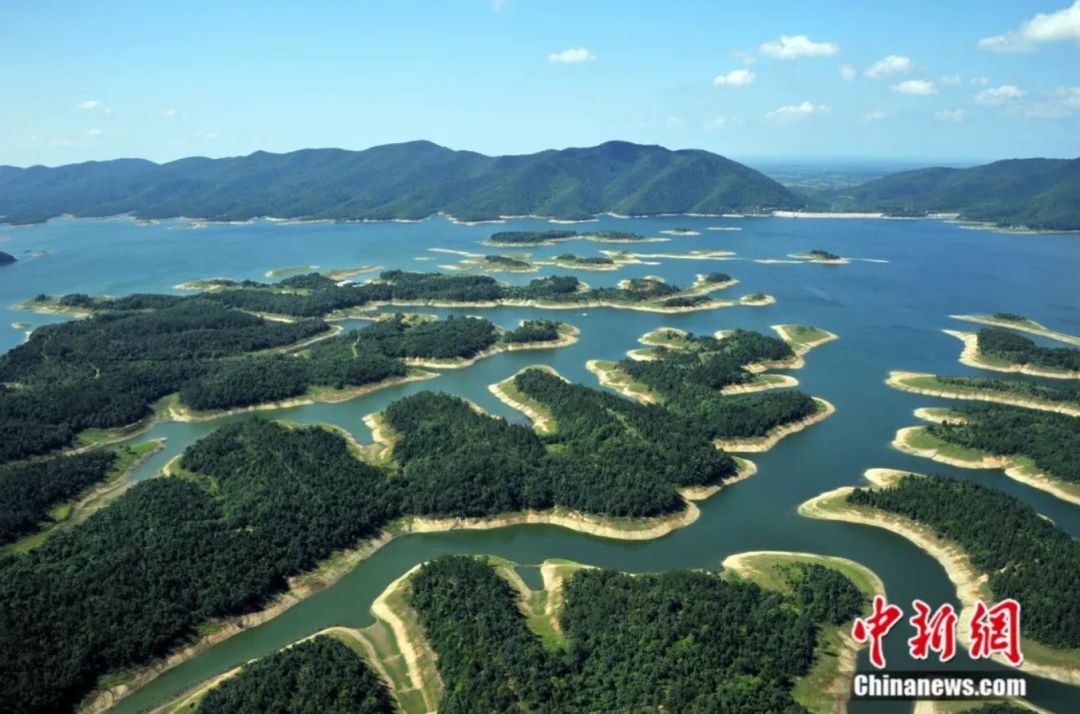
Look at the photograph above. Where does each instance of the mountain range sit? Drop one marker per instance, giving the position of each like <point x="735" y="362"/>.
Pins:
<point x="414" y="180"/>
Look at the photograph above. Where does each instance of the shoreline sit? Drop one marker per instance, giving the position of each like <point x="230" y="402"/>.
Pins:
<point x="568" y="335"/>
<point x="1030" y="326"/>
<point x="897" y="378"/>
<point x="186" y="415"/>
<point x="1014" y="467"/>
<point x="743" y="565"/>
<point x="971" y="357"/>
<point x="970" y="585"/>
<point x="542" y="421"/>
<point x="764" y="443"/>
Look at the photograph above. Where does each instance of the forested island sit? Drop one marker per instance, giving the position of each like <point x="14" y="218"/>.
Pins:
<point x="255" y="503"/>
<point x="77" y="380"/>
<point x="1006" y="550"/>
<point x="820" y="256"/>
<point x="1064" y="399"/>
<point x="317" y="676"/>
<point x="551" y="237"/>
<point x="6" y="258"/>
<point x="1038" y="447"/>
<point x="315" y="296"/>
<point x="1018" y="322"/>
<point x="714" y="641"/>
<point x="1004" y="351"/>
<point x="717" y="382"/>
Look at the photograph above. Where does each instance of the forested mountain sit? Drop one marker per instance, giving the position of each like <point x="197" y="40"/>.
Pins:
<point x="409" y="180"/>
<point x="1038" y="193"/>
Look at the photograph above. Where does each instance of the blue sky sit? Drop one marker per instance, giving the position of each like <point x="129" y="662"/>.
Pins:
<point x="921" y="81"/>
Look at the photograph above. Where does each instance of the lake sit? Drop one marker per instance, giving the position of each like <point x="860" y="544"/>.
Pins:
<point x="889" y="315"/>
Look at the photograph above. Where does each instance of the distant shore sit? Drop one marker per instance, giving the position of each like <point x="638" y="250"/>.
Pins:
<point x="971" y="357"/>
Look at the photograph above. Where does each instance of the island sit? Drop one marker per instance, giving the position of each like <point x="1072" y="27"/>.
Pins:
<point x="1018" y="322"/>
<point x="257" y="515"/>
<point x="315" y="296"/>
<point x="1064" y="400"/>
<point x="544" y="238"/>
<point x="959" y="523"/>
<point x="1004" y="351"/>
<point x="7" y="258"/>
<point x="823" y="257"/>
<point x="681" y="231"/>
<point x="148" y="357"/>
<point x="437" y="653"/>
<point x="718" y="380"/>
<point x="1037" y="448"/>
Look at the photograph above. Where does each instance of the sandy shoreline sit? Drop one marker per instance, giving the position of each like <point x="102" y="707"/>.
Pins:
<point x="970" y="585"/>
<point x="542" y="421"/>
<point x="1030" y="326"/>
<point x="972" y="358"/>
<point x="897" y="380"/>
<point x="1013" y="467"/>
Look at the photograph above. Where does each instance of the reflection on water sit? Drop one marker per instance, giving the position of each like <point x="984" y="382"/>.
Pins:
<point x="888" y="316"/>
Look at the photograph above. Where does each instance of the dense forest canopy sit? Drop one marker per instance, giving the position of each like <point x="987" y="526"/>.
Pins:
<point x="28" y="490"/>
<point x="317" y="676"/>
<point x="6" y="258"/>
<point x="1011" y="347"/>
<point x="713" y="645"/>
<point x="107" y="371"/>
<point x="1057" y="393"/>
<point x="1025" y="555"/>
<point x="1049" y="439"/>
<point x="689" y="380"/>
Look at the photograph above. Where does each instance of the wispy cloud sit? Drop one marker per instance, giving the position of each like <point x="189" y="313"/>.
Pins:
<point x="94" y="132"/>
<point x="89" y="104"/>
<point x="1060" y="26"/>
<point x="718" y="122"/>
<point x="999" y="95"/>
<point x="953" y="115"/>
<point x="798" y="46"/>
<point x="573" y="55"/>
<point x="848" y="73"/>
<point x="168" y="113"/>
<point x="802" y="109"/>
<point x="876" y="115"/>
<point x="735" y="78"/>
<point x="893" y="64"/>
<point x="951" y="80"/>
<point x="915" y="86"/>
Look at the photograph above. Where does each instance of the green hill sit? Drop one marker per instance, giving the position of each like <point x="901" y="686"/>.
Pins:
<point x="410" y="180"/>
<point x="1037" y="193"/>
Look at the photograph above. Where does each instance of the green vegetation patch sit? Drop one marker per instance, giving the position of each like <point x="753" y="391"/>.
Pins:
<point x="1011" y="348"/>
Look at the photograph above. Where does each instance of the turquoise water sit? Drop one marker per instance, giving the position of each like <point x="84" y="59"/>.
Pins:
<point x="888" y="316"/>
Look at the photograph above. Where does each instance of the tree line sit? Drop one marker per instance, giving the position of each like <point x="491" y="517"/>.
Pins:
<point x="678" y="641"/>
<point x="1011" y="347"/>
<point x="1025" y="555"/>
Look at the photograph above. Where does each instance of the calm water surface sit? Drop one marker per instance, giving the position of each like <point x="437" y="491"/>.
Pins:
<point x="888" y="315"/>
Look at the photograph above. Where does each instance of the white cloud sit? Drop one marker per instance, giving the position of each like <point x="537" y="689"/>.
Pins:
<point x="89" y="104"/>
<point x="952" y="80"/>
<point x="798" y="46"/>
<point x="953" y="115"/>
<point x="718" y="122"/>
<point x="876" y="115"/>
<point x="848" y="73"/>
<point x="735" y="78"/>
<point x="915" y="86"/>
<point x="94" y="132"/>
<point x="1060" y="26"/>
<point x="798" y="110"/>
<point x="168" y="113"/>
<point x="1070" y="96"/>
<point x="893" y="64"/>
<point x="573" y="55"/>
<point x="999" y="95"/>
<point x="747" y="57"/>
